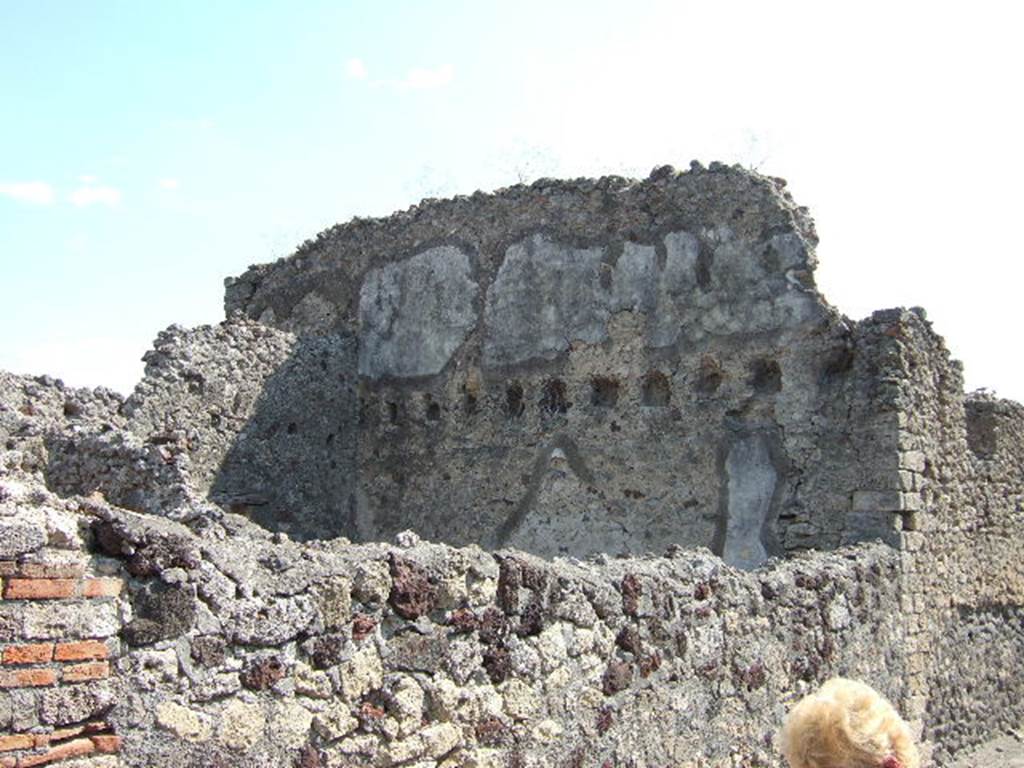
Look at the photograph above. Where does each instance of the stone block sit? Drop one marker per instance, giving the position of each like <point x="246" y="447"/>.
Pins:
<point x="912" y="460"/>
<point x="241" y="725"/>
<point x="74" y="703"/>
<point x="18" y="537"/>
<point x="183" y="722"/>
<point x="46" y="621"/>
<point x="877" y="501"/>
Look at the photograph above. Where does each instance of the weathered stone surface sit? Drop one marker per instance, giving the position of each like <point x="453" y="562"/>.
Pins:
<point x="361" y="673"/>
<point x="51" y="620"/>
<point x="75" y="703"/>
<point x="413" y="591"/>
<point x="263" y="673"/>
<point x="241" y="725"/>
<point x="160" y="613"/>
<point x="17" y="538"/>
<point x="289" y="725"/>
<point x="183" y="722"/>
<point x="5" y="709"/>
<point x="272" y="622"/>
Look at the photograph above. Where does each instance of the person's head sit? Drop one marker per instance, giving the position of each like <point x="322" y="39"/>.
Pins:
<point x="846" y="724"/>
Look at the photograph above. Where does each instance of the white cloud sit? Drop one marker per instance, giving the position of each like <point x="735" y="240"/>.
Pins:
<point x="421" y="78"/>
<point x="167" y="183"/>
<point x="37" y="192"/>
<point x="84" y="196"/>
<point x="87" y="179"/>
<point x="355" y="69"/>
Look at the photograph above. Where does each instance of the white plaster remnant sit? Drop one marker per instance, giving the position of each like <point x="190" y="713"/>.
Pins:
<point x="542" y="299"/>
<point x="752" y="478"/>
<point x="414" y="314"/>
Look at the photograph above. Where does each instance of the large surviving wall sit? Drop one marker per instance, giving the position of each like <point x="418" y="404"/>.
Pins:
<point x="567" y="368"/>
<point x="679" y="383"/>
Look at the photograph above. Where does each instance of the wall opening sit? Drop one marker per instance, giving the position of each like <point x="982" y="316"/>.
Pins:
<point x="766" y="376"/>
<point x="655" y="391"/>
<point x="553" y="399"/>
<point x="515" y="403"/>
<point x="604" y="392"/>
<point x="709" y="375"/>
<point x="982" y="429"/>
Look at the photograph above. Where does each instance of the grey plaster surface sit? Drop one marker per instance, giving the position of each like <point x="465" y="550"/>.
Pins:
<point x="414" y="314"/>
<point x="751" y="485"/>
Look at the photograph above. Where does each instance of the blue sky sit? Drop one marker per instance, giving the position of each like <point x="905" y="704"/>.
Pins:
<point x="148" y="150"/>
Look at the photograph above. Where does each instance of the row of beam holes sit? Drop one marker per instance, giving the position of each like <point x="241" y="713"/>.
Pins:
<point x="655" y="392"/>
<point x="604" y="393"/>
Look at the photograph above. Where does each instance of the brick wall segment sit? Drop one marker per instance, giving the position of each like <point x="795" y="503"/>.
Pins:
<point x="16" y="741"/>
<point x="32" y="653"/>
<point x="27" y="678"/>
<point x="107" y="743"/>
<point x="91" y="670"/>
<point x="76" y="748"/>
<point x="84" y="650"/>
<point x="39" y="589"/>
<point x="63" y="734"/>
<point x="102" y="587"/>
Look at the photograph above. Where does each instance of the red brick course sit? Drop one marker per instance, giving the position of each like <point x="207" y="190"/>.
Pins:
<point x="76" y="748"/>
<point x="63" y="734"/>
<point x="102" y="587"/>
<point x="39" y="589"/>
<point x="34" y="653"/>
<point x="27" y="678"/>
<point x="107" y="743"/>
<point x="18" y="741"/>
<point x="91" y="670"/>
<point x="81" y="651"/>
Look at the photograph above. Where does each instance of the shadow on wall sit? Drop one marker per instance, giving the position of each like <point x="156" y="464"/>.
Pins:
<point x="293" y="467"/>
<point x="315" y="454"/>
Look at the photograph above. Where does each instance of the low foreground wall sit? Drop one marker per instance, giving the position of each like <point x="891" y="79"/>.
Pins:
<point x="223" y="644"/>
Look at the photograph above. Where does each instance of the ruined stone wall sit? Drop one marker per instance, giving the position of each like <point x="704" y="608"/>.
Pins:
<point x="567" y="368"/>
<point x="60" y="617"/>
<point x="237" y="647"/>
<point x="963" y="570"/>
<point x="573" y="368"/>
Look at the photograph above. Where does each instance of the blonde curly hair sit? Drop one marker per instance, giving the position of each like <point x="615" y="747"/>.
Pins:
<point x="847" y="724"/>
